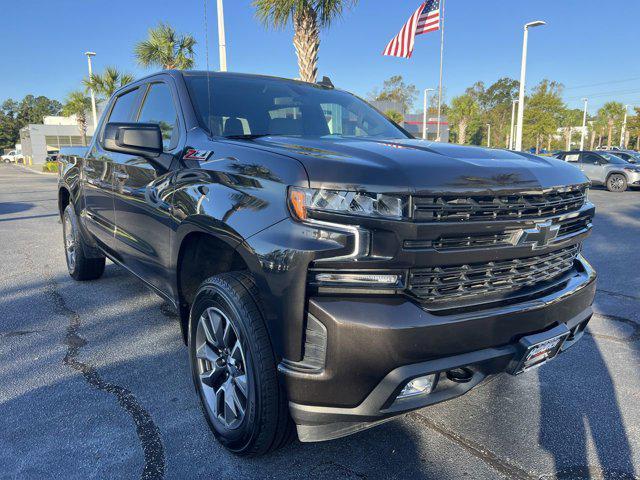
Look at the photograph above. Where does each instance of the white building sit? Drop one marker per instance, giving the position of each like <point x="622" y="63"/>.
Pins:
<point x="40" y="140"/>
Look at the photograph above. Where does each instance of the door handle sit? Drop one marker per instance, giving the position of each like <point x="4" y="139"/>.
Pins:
<point x="121" y="175"/>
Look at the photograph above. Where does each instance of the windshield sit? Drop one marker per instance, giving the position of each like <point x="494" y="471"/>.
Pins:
<point x="633" y="157"/>
<point x="256" y="106"/>
<point x="613" y="159"/>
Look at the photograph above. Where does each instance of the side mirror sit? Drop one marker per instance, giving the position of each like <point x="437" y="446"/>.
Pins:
<point x="142" y="139"/>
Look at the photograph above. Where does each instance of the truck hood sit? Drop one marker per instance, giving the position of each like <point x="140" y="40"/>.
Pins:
<point x="419" y="167"/>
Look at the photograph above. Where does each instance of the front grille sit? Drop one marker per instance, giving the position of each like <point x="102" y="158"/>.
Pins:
<point x="437" y="284"/>
<point x="473" y="241"/>
<point x="453" y="208"/>
<point x="506" y="238"/>
<point x="574" y="226"/>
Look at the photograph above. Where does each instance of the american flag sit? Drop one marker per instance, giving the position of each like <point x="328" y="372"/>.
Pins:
<point x="425" y="19"/>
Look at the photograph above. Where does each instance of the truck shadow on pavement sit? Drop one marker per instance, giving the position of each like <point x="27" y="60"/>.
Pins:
<point x="116" y="398"/>
<point x="7" y="208"/>
<point x="585" y="402"/>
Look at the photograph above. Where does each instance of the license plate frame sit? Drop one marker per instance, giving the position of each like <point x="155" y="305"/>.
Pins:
<point x="537" y="350"/>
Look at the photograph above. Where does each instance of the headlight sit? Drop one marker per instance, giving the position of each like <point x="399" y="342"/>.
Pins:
<point x="304" y="201"/>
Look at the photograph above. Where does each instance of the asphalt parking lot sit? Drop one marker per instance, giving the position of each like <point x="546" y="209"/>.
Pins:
<point x="94" y="379"/>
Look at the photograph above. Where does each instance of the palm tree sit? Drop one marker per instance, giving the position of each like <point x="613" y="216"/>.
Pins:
<point x="77" y="103"/>
<point x="611" y="113"/>
<point x="166" y="49"/>
<point x="308" y="17"/>
<point x="464" y="112"/>
<point x="105" y="84"/>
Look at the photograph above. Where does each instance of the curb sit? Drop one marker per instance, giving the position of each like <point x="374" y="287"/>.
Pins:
<point x="27" y="169"/>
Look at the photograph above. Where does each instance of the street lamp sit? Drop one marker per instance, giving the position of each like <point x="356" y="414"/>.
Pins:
<point x="222" y="42"/>
<point x="424" y="113"/>
<point x="513" y="122"/>
<point x="584" y="123"/>
<point x="93" y="96"/>
<point x="623" y="133"/>
<point x="523" y="76"/>
<point x="488" y="135"/>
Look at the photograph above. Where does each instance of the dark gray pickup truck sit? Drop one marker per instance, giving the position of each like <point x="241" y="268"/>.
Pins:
<point x="329" y="270"/>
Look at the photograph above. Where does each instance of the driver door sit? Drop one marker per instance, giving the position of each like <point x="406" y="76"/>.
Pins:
<point x="142" y="189"/>
<point x="593" y="166"/>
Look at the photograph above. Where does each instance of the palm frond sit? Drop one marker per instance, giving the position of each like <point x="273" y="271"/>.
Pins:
<point x="278" y="13"/>
<point x="165" y="48"/>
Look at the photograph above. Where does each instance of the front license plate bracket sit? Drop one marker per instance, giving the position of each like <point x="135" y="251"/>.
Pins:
<point x="536" y="350"/>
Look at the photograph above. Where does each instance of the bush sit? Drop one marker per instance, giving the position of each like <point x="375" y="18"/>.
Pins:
<point x="50" y="167"/>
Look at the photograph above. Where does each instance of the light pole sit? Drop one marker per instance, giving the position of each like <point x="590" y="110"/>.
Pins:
<point x="584" y="123"/>
<point x="523" y="77"/>
<point x="624" y="127"/>
<point x="93" y="95"/>
<point x="222" y="42"/>
<point x="424" y="113"/>
<point x="488" y="135"/>
<point x="513" y="123"/>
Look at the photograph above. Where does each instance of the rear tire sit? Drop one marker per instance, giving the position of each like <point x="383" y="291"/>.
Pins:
<point x="233" y="363"/>
<point x="616" y="183"/>
<point x="80" y="267"/>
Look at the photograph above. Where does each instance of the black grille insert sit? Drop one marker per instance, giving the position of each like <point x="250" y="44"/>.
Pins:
<point x="463" y="281"/>
<point x="452" y="208"/>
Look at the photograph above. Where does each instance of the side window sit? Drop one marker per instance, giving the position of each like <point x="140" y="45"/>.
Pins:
<point x="590" y="159"/>
<point x="570" y="157"/>
<point x="123" y="109"/>
<point x="158" y="108"/>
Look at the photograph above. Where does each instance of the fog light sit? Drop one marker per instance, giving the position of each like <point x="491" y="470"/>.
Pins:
<point x="357" y="278"/>
<point x="418" y="386"/>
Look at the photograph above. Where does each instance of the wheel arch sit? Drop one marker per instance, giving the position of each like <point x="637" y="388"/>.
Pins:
<point x="64" y="199"/>
<point x="199" y="254"/>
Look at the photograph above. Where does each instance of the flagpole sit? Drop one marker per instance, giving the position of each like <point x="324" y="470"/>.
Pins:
<point x="438" y="136"/>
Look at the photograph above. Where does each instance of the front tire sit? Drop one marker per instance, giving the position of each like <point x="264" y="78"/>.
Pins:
<point x="234" y="367"/>
<point x="616" y="183"/>
<point x="80" y="266"/>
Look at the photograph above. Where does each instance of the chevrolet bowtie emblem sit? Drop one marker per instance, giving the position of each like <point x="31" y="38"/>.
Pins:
<point x="540" y="236"/>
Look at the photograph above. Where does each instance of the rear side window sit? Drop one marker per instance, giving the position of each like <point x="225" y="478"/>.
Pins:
<point x="570" y="157"/>
<point x="590" y="158"/>
<point x="158" y="108"/>
<point x="123" y="109"/>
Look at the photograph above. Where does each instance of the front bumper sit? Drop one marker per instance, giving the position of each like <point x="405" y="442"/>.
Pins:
<point x="374" y="346"/>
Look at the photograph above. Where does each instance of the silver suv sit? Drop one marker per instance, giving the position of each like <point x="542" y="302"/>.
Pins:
<point x="604" y="168"/>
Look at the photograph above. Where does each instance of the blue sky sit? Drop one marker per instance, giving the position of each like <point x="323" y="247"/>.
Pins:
<point x="590" y="46"/>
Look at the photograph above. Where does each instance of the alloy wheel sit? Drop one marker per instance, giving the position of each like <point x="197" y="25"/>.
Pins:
<point x="69" y="242"/>
<point x="222" y="368"/>
<point x="616" y="183"/>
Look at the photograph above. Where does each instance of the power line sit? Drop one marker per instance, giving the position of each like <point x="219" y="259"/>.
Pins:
<point x="602" y="83"/>
<point x="606" y="94"/>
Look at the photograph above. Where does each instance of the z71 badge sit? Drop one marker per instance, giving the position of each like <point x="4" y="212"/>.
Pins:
<point x="199" y="155"/>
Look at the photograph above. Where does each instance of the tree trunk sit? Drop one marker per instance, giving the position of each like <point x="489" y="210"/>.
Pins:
<point x="567" y="135"/>
<point x="610" y="136"/>
<point x="538" y="139"/>
<point x="593" y="139"/>
<point x="82" y="126"/>
<point x="549" y="143"/>
<point x="462" y="132"/>
<point x="638" y="142"/>
<point x="306" y="40"/>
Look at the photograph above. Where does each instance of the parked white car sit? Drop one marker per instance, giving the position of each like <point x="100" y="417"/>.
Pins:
<point x="12" y="157"/>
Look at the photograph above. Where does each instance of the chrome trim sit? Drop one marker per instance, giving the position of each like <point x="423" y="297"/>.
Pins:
<point x="361" y="237"/>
